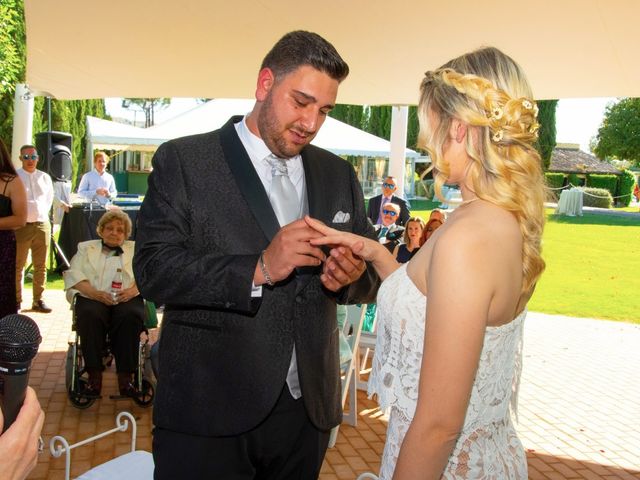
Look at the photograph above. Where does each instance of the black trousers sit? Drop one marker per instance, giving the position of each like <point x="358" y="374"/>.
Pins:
<point x="285" y="446"/>
<point x="123" y="322"/>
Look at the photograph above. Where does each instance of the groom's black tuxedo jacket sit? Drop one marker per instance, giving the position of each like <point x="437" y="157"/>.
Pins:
<point x="224" y="354"/>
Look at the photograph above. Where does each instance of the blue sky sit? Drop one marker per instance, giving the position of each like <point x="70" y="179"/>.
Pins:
<point x="577" y="119"/>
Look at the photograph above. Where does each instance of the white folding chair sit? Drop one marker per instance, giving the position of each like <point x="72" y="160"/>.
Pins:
<point x="133" y="465"/>
<point x="351" y="329"/>
<point x="367" y="344"/>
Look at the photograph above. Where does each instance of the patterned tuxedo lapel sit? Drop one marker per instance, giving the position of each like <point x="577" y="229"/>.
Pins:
<point x="247" y="179"/>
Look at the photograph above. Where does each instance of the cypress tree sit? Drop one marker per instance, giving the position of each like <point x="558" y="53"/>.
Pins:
<point x="547" y="133"/>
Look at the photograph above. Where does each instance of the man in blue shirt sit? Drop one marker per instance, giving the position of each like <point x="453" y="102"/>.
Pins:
<point x="98" y="184"/>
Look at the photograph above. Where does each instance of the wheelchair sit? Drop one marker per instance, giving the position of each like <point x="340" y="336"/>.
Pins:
<point x="76" y="376"/>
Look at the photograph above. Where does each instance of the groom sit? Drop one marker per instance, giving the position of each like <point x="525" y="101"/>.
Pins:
<point x="249" y="385"/>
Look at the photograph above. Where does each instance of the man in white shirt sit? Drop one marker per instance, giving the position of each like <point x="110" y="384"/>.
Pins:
<point x="36" y="234"/>
<point x="98" y="184"/>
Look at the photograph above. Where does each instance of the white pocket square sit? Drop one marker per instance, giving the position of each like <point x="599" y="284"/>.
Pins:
<point x="341" y="217"/>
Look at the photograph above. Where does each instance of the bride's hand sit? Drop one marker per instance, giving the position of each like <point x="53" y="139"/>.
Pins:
<point x="363" y="247"/>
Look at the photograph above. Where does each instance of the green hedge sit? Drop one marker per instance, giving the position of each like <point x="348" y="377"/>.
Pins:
<point x="575" y="180"/>
<point x="626" y="182"/>
<point x="606" y="181"/>
<point x="597" y="197"/>
<point x="554" y="180"/>
<point x="424" y="188"/>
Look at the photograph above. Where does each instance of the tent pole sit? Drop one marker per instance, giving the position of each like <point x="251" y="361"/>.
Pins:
<point x="22" y="122"/>
<point x="399" y="125"/>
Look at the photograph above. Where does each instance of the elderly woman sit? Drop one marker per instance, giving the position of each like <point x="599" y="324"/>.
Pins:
<point x="412" y="240"/>
<point x="101" y="309"/>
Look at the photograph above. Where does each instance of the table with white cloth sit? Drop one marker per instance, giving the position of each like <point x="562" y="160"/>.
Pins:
<point x="570" y="202"/>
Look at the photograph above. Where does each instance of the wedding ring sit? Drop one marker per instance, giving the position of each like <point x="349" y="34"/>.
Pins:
<point x="40" y="444"/>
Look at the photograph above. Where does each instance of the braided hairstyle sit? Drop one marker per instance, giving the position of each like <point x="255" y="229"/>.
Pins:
<point x="488" y="91"/>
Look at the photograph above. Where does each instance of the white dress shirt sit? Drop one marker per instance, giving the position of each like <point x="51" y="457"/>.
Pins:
<point x="258" y="153"/>
<point x="91" y="181"/>
<point x="39" y="194"/>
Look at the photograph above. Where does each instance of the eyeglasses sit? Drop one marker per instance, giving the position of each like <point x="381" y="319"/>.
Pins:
<point x="388" y="185"/>
<point x="33" y="156"/>
<point x="389" y="212"/>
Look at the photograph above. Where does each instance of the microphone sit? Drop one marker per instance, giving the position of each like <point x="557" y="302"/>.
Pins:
<point x="19" y="340"/>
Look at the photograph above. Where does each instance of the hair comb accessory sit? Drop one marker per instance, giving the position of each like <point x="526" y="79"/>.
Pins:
<point x="497" y="136"/>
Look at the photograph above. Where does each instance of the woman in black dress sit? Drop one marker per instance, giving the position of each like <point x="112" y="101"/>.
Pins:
<point x="411" y="240"/>
<point x="13" y="214"/>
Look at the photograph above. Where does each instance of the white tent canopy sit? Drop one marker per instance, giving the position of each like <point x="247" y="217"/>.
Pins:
<point x="211" y="48"/>
<point x="335" y="136"/>
<point x="108" y="135"/>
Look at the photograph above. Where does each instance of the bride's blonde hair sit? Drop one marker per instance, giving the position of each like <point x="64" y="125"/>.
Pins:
<point x="488" y="91"/>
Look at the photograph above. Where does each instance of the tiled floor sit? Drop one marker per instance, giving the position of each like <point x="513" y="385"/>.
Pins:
<point x="579" y="404"/>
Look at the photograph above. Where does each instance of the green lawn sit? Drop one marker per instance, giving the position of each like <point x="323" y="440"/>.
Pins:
<point x="54" y="281"/>
<point x="593" y="267"/>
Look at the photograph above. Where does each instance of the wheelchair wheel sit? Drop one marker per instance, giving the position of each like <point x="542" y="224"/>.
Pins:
<point x="144" y="397"/>
<point x="69" y="366"/>
<point x="76" y="397"/>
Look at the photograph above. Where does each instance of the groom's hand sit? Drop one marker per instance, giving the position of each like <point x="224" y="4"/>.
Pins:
<point x="341" y="268"/>
<point x="289" y="249"/>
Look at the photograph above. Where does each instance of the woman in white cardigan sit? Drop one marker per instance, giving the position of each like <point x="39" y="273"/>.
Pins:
<point x="97" y="267"/>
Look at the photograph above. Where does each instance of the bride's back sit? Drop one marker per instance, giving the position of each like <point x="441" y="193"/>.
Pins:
<point x="499" y="241"/>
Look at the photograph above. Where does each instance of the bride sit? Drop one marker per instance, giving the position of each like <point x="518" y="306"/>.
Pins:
<point x="448" y="354"/>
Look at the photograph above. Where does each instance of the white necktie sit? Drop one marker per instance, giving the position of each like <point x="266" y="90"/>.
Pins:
<point x="283" y="195"/>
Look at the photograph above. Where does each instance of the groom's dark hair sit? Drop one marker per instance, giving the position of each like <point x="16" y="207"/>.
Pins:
<point x="300" y="48"/>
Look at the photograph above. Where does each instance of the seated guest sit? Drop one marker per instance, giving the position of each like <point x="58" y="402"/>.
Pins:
<point x="102" y="308"/>
<point x="412" y="240"/>
<point x="98" y="184"/>
<point x="13" y="214"/>
<point x="377" y="203"/>
<point x="389" y="233"/>
<point x="436" y="219"/>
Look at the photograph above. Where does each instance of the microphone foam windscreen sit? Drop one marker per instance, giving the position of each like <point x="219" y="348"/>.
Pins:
<point x="19" y="338"/>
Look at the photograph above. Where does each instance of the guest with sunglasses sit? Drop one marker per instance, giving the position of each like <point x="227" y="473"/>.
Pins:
<point x="389" y="232"/>
<point x="36" y="234"/>
<point x="377" y="203"/>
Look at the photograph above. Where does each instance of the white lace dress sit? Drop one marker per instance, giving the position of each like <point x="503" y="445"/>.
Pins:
<point x="488" y="446"/>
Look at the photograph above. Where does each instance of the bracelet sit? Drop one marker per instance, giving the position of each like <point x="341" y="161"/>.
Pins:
<point x="263" y="269"/>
